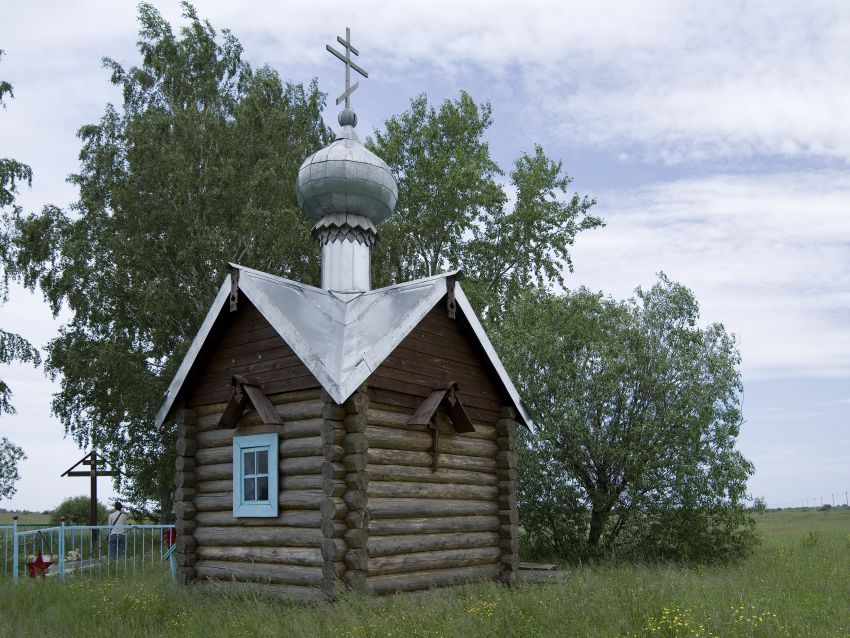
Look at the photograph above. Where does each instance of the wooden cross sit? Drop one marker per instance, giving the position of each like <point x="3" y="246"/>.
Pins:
<point x="349" y="64"/>
<point x="91" y="459"/>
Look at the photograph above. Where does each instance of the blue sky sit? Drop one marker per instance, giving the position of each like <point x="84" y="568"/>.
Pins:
<point x="715" y="137"/>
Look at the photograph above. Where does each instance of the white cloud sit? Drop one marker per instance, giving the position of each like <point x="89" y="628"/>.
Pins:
<point x="766" y="255"/>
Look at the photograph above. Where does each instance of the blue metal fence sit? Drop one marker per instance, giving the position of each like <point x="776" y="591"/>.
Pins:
<point x="85" y="550"/>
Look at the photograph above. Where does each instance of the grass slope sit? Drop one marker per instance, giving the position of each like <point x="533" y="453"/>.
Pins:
<point x="796" y="584"/>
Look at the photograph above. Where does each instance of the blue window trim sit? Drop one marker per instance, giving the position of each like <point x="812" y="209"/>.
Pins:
<point x="259" y="442"/>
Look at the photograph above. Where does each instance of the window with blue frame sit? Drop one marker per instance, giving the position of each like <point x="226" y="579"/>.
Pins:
<point x="255" y="475"/>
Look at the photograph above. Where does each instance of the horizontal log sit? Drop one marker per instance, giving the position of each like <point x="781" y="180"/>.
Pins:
<point x="333" y="508"/>
<point x="293" y="500"/>
<point x="427" y="475"/>
<point x="421" y="507"/>
<point x="289" y="448"/>
<point x="433" y="525"/>
<point x="357" y="481"/>
<point x="356" y="538"/>
<point x="185" y="463"/>
<point x="296" y="396"/>
<point x="357" y="559"/>
<point x="259" y="536"/>
<point x="425" y="459"/>
<point x="259" y="572"/>
<point x="393" y="545"/>
<point x="184" y="527"/>
<point x="355" y="462"/>
<point x="186" y="447"/>
<point x="398" y="439"/>
<point x="266" y="555"/>
<point x="355" y="443"/>
<point x="333" y="453"/>
<point x="332" y="435"/>
<point x="333" y="471"/>
<point x="186" y="544"/>
<point x="185" y="510"/>
<point x="405" y="563"/>
<point x="290" y="413"/>
<point x="287" y="483"/>
<point x="215" y="436"/>
<point x="411" y="402"/>
<point x="355" y="423"/>
<point x="214" y="456"/>
<point x="331" y="487"/>
<point x="287" y="518"/>
<point x="391" y="583"/>
<point x="506" y="460"/>
<point x="184" y="494"/>
<point x="399" y="420"/>
<point x="184" y="479"/>
<point x="215" y="472"/>
<point x="261" y="590"/>
<point x="409" y="489"/>
<point x="302" y="465"/>
<point x="220" y="488"/>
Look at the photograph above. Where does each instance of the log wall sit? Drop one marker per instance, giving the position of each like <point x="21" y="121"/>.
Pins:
<point x="430" y="528"/>
<point x="301" y="550"/>
<point x="185" y="491"/>
<point x="359" y="502"/>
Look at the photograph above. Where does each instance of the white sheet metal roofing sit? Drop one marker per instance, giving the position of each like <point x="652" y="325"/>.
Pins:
<point x="341" y="338"/>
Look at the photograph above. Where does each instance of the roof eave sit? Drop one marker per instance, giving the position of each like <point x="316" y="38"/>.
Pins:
<point x="192" y="354"/>
<point x="478" y="329"/>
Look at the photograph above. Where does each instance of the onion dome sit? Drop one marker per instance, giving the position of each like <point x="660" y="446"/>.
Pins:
<point x="346" y="178"/>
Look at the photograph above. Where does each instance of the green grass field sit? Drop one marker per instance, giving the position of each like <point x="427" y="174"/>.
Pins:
<point x="24" y="518"/>
<point x="796" y="584"/>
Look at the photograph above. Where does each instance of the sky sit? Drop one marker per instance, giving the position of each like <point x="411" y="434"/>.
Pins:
<point x="714" y="137"/>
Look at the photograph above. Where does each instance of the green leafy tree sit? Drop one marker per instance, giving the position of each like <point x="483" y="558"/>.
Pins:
<point x="77" y="511"/>
<point x="453" y="212"/>
<point x="194" y="169"/>
<point x="638" y="410"/>
<point x="10" y="455"/>
<point x="13" y="347"/>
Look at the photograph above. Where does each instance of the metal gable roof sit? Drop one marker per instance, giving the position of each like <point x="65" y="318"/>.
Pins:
<point x="341" y="338"/>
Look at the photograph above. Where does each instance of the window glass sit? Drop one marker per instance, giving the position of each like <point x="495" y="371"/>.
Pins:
<point x="263" y="462"/>
<point x="263" y="488"/>
<point x="249" y="493"/>
<point x="250" y="465"/>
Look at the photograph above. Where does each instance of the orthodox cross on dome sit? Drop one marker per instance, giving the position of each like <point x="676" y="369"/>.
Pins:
<point x="349" y="64"/>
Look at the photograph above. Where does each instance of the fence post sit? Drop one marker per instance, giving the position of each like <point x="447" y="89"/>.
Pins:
<point x="15" y="549"/>
<point x="62" y="548"/>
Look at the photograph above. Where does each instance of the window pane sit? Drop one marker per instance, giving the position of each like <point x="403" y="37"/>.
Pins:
<point x="263" y="462"/>
<point x="263" y="488"/>
<point x="249" y="493"/>
<point x="250" y="465"/>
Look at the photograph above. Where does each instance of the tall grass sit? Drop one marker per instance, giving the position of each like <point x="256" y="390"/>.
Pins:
<point x="796" y="584"/>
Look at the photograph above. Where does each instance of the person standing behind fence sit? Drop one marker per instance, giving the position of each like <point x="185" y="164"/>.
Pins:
<point x="117" y="535"/>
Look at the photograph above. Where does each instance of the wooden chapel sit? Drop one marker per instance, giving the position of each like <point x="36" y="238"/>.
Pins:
<point x="342" y="436"/>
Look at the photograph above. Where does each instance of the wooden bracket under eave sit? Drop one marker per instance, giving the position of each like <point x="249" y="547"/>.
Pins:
<point x="445" y="396"/>
<point x="246" y="391"/>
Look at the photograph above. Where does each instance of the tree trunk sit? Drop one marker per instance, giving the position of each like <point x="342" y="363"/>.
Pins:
<point x="597" y="525"/>
<point x="166" y="502"/>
